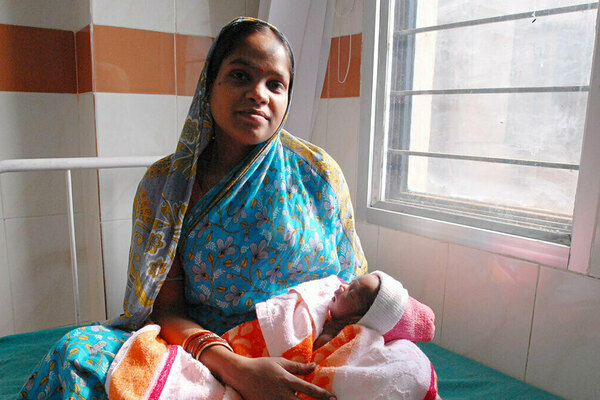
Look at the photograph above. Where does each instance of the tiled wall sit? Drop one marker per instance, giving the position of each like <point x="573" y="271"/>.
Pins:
<point x="87" y="78"/>
<point x="39" y="110"/>
<point x="530" y="321"/>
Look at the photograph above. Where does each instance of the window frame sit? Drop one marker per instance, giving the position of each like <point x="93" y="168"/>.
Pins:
<point x="575" y="257"/>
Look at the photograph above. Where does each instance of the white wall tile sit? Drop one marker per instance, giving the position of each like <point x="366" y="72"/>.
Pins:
<point x="34" y="193"/>
<point x="369" y="236"/>
<point x="252" y="7"/>
<point x="319" y="133"/>
<point x="116" y="236"/>
<point x="38" y="125"/>
<point x="135" y="124"/>
<point x="193" y="17"/>
<point x="86" y="184"/>
<point x="342" y="137"/>
<point x="55" y="14"/>
<point x="565" y="341"/>
<point x="117" y="190"/>
<point x="7" y="321"/>
<point x="86" y="125"/>
<point x="207" y="17"/>
<point x="1" y="203"/>
<point x="183" y="106"/>
<point x="488" y="308"/>
<point x="153" y="15"/>
<point x="420" y="264"/>
<point x="91" y="273"/>
<point x="40" y="272"/>
<point x="82" y="14"/>
<point x="348" y="17"/>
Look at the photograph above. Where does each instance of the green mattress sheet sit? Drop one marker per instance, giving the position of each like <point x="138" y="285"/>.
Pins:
<point x="458" y="377"/>
<point x="463" y="378"/>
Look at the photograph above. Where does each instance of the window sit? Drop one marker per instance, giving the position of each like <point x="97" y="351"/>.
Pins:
<point x="476" y="114"/>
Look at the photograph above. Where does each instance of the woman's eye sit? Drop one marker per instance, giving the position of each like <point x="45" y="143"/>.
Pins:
<point x="276" y="86"/>
<point x="239" y="75"/>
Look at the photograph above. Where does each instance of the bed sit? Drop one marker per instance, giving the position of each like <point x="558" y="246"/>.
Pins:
<point x="459" y="377"/>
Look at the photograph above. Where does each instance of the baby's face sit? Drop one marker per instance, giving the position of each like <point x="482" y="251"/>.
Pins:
<point x="353" y="300"/>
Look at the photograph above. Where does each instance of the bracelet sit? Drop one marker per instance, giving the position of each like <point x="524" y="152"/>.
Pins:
<point x="202" y="342"/>
<point x="192" y="336"/>
<point x="221" y="342"/>
<point x="197" y="342"/>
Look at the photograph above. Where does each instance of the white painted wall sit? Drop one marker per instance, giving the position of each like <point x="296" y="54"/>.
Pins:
<point x="307" y="26"/>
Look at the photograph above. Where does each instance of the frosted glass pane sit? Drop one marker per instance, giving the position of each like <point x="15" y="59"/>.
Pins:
<point x="529" y="126"/>
<point x="553" y="51"/>
<point x="542" y="189"/>
<point x="439" y="12"/>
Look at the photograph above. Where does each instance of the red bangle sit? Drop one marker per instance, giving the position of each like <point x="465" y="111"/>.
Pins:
<point x="194" y="335"/>
<point x="203" y="341"/>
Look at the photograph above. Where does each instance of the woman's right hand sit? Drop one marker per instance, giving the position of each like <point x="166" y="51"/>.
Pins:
<point x="263" y="378"/>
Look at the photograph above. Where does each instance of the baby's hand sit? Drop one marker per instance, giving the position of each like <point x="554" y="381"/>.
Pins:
<point x="330" y="330"/>
<point x="321" y="340"/>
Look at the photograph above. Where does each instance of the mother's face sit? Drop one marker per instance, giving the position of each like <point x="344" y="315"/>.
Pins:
<point x="249" y="97"/>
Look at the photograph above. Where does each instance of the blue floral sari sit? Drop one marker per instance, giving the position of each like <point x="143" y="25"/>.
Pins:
<point x="282" y="223"/>
<point x="281" y="217"/>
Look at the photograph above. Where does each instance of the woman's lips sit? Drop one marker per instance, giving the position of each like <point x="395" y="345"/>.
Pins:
<point x="254" y="114"/>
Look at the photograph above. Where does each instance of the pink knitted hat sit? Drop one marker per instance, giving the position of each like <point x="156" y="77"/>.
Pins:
<point x="396" y="315"/>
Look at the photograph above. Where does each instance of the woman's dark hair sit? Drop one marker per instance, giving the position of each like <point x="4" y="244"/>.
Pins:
<point x="232" y="36"/>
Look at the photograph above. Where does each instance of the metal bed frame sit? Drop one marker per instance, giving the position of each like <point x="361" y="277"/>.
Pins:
<point x="67" y="165"/>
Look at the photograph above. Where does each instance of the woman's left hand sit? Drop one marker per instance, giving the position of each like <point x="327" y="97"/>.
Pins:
<point x="265" y="378"/>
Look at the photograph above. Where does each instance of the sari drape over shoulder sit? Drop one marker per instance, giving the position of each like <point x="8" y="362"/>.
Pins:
<point x="281" y="217"/>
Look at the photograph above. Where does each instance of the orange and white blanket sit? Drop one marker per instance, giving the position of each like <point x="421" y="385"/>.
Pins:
<point x="356" y="364"/>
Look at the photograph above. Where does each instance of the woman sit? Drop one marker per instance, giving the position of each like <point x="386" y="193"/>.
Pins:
<point x="257" y="210"/>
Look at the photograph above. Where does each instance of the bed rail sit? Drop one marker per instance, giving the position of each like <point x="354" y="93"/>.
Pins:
<point x="68" y="165"/>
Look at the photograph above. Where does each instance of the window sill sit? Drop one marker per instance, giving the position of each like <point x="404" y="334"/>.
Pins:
<point x="540" y="252"/>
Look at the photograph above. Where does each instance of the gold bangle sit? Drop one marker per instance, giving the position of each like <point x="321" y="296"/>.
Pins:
<point x="192" y="336"/>
<point x="221" y="342"/>
<point x="199" y="340"/>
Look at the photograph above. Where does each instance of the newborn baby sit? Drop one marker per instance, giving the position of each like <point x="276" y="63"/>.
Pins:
<point x="375" y="300"/>
<point x="349" y="304"/>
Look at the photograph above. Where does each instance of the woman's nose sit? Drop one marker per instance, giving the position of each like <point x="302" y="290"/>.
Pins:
<point x="258" y="93"/>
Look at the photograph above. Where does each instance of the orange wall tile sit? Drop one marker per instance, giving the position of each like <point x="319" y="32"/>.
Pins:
<point x="37" y="60"/>
<point x="133" y="60"/>
<point x="84" y="60"/>
<point x="337" y="83"/>
<point x="129" y="60"/>
<point x="191" y="55"/>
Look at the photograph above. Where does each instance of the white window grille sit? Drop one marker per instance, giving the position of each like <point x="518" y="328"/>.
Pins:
<point x="476" y="115"/>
